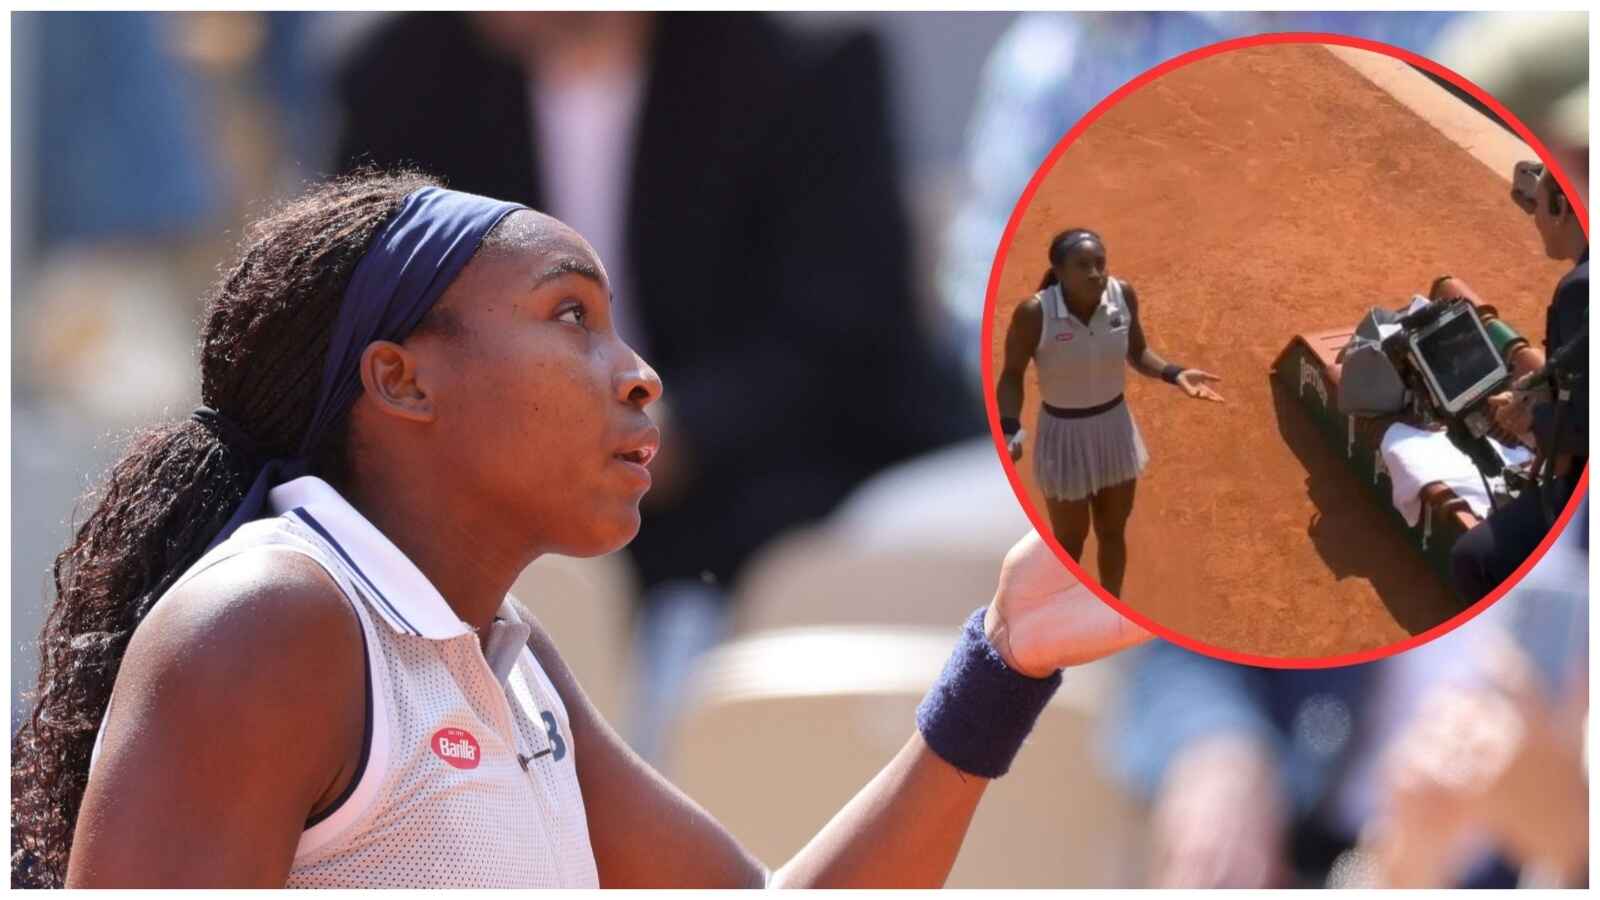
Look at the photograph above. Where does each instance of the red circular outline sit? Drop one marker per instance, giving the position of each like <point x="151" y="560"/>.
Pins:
<point x="991" y="404"/>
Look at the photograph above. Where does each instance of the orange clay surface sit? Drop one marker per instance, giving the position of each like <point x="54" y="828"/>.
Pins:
<point x="1247" y="197"/>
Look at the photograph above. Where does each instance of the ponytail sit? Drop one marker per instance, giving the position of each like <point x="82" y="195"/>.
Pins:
<point x="266" y="333"/>
<point x="1049" y="280"/>
<point x="157" y="510"/>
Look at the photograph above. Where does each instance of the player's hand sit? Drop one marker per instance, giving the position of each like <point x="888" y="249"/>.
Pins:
<point x="1197" y="384"/>
<point x="1221" y="817"/>
<point x="1043" y="618"/>
<point x="1014" y="445"/>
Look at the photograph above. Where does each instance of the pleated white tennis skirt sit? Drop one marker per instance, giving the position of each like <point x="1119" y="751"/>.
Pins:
<point x="1075" y="457"/>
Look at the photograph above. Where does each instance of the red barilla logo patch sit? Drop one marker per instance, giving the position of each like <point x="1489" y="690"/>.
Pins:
<point x="1064" y="336"/>
<point x="456" y="747"/>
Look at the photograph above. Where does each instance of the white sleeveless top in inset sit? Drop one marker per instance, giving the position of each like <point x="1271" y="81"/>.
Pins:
<point x="1081" y="364"/>
<point x="470" y="778"/>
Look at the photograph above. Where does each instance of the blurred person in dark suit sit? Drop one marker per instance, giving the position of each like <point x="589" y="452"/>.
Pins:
<point x="789" y="346"/>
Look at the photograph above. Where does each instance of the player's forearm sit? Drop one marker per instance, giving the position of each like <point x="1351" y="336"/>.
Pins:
<point x="903" y="829"/>
<point x="1149" y="363"/>
<point x="1008" y="395"/>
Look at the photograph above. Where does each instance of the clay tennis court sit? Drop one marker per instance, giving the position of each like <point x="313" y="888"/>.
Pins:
<point x="1249" y="196"/>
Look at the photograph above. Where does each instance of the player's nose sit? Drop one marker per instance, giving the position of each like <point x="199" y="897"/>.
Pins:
<point x="636" y="382"/>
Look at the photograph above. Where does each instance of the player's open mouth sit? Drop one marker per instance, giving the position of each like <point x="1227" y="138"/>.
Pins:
<point x="639" y="457"/>
<point x="640" y="447"/>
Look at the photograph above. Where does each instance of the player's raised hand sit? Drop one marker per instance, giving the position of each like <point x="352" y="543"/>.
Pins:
<point x="1197" y="384"/>
<point x="1043" y="618"/>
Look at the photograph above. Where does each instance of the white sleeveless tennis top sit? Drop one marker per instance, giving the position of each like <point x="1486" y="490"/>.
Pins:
<point x="1081" y="364"/>
<point x="469" y="778"/>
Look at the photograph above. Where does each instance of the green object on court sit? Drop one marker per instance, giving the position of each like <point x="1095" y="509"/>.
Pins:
<point x="1502" y="335"/>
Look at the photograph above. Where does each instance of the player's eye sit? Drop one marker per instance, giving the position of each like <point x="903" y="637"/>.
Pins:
<point x="573" y="315"/>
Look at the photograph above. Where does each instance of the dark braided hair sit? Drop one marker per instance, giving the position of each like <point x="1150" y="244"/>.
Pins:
<point x="1059" y="245"/>
<point x="261" y="358"/>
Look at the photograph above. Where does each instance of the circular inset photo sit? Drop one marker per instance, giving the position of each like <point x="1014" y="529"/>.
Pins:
<point x="1274" y="350"/>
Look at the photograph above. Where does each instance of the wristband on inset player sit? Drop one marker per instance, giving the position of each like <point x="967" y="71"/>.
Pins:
<point x="1171" y="372"/>
<point x="1009" y="426"/>
<point x="976" y="716"/>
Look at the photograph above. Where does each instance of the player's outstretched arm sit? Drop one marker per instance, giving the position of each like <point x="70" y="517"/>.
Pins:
<point x="905" y="827"/>
<point x="1146" y="361"/>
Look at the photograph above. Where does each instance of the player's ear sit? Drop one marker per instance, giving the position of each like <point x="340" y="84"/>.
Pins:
<point x="389" y="375"/>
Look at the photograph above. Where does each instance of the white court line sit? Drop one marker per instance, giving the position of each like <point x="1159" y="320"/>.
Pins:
<point x="1464" y="126"/>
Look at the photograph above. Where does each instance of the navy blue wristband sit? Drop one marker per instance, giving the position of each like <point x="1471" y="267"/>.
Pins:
<point x="1010" y="426"/>
<point x="1170" y="373"/>
<point x="979" y="712"/>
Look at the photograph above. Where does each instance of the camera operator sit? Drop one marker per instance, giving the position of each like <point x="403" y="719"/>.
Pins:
<point x="1547" y="408"/>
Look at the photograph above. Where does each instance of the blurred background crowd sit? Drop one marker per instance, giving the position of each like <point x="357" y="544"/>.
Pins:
<point x="827" y="502"/>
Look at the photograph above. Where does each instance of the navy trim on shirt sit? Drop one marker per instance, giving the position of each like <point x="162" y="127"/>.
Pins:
<point x="316" y="526"/>
<point x="366" y="735"/>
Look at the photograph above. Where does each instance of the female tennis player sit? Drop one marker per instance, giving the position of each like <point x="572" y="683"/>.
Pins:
<point x="283" y="653"/>
<point x="1078" y="329"/>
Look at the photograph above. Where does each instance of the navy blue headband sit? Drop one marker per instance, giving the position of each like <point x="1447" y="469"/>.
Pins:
<point x="1071" y="239"/>
<point x="413" y="259"/>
